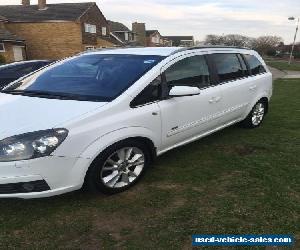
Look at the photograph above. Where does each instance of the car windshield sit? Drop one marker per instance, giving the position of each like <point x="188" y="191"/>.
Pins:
<point x="93" y="77"/>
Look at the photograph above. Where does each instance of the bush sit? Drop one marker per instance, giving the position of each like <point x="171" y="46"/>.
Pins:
<point x="296" y="54"/>
<point x="271" y="52"/>
<point x="2" y="59"/>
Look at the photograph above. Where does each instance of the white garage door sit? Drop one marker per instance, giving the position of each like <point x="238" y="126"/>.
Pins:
<point x="18" y="53"/>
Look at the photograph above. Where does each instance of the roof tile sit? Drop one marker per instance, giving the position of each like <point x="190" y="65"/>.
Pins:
<point x="61" y="12"/>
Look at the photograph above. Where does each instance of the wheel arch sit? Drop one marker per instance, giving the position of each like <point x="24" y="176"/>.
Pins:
<point x="265" y="100"/>
<point x="97" y="147"/>
<point x="264" y="97"/>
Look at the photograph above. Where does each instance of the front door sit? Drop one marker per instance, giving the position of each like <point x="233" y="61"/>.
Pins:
<point x="188" y="117"/>
<point x="18" y="53"/>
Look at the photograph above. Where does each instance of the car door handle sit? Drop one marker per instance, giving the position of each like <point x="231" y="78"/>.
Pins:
<point x="217" y="99"/>
<point x="253" y="87"/>
<point x="212" y="100"/>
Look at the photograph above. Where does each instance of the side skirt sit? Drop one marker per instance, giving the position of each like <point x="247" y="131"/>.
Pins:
<point x="198" y="137"/>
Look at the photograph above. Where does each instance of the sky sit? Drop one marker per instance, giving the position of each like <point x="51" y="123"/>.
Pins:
<point x="202" y="17"/>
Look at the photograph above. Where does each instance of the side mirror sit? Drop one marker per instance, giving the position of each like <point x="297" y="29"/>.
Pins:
<point x="178" y="91"/>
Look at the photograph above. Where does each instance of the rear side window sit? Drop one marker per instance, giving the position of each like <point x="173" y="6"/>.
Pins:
<point x="191" y="71"/>
<point x="228" y="67"/>
<point x="255" y="65"/>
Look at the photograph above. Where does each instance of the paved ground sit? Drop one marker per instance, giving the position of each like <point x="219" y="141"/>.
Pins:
<point x="292" y="74"/>
<point x="284" y="74"/>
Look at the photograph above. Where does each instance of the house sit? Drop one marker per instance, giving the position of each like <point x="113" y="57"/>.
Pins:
<point x="140" y="30"/>
<point x="182" y="41"/>
<point x="122" y="33"/>
<point x="54" y="31"/>
<point x="154" y="38"/>
<point x="149" y="38"/>
<point x="12" y="47"/>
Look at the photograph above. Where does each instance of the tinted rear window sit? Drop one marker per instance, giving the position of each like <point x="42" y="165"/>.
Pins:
<point x="228" y="67"/>
<point x="255" y="65"/>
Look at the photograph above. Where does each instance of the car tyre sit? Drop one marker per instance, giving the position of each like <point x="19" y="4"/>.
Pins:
<point x="118" y="168"/>
<point x="256" y="116"/>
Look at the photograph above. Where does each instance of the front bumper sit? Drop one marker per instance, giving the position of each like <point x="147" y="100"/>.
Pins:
<point x="43" y="177"/>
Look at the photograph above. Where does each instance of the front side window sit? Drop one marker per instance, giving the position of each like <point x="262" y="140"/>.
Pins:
<point x="191" y="71"/>
<point x="255" y="65"/>
<point x="150" y="94"/>
<point x="96" y="77"/>
<point x="228" y="67"/>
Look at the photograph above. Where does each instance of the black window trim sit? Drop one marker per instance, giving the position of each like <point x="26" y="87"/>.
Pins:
<point x="250" y="72"/>
<point x="164" y="92"/>
<point x="132" y="105"/>
<point x="211" y="83"/>
<point x="215" y="68"/>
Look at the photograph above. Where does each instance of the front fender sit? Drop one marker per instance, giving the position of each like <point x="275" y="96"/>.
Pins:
<point x="94" y="149"/>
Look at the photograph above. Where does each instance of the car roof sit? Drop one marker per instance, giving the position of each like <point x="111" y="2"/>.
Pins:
<point x="159" y="51"/>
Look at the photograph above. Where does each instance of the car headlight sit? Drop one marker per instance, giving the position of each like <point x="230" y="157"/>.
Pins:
<point x="31" y="145"/>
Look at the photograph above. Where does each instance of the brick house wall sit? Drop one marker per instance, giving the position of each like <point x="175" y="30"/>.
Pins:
<point x="155" y="36"/>
<point x="93" y="16"/>
<point x="49" y="40"/>
<point x="59" y="39"/>
<point x="9" y="53"/>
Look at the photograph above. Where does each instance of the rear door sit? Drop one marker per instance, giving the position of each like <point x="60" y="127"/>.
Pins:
<point x="259" y="77"/>
<point x="188" y="117"/>
<point x="235" y="82"/>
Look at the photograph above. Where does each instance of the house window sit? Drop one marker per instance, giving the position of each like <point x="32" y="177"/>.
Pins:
<point x="90" y="28"/>
<point x="89" y="47"/>
<point x="104" y="32"/>
<point x="126" y="36"/>
<point x="155" y="39"/>
<point x="2" y="48"/>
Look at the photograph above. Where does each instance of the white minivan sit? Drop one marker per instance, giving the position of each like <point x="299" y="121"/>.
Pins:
<point x="100" y="118"/>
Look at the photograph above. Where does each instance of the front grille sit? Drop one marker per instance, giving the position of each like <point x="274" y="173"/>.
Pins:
<point x="24" y="187"/>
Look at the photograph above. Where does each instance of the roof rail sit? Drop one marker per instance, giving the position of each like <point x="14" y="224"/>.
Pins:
<point x="208" y="47"/>
<point x="217" y="47"/>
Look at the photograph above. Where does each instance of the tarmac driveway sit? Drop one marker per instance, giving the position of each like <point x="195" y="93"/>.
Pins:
<point x="284" y="74"/>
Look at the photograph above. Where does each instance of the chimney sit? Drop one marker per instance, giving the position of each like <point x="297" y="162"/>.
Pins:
<point x="25" y="2"/>
<point x="140" y="30"/>
<point x="42" y="4"/>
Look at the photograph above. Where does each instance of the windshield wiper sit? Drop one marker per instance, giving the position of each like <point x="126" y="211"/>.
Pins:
<point x="44" y="94"/>
<point x="37" y="93"/>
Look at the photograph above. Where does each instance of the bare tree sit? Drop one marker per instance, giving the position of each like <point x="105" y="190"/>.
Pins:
<point x="264" y="44"/>
<point x="229" y="40"/>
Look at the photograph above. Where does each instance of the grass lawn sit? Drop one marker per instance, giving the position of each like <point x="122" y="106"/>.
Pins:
<point x="284" y="65"/>
<point x="236" y="181"/>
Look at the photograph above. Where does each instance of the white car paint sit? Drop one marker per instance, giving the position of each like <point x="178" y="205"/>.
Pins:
<point x="94" y="126"/>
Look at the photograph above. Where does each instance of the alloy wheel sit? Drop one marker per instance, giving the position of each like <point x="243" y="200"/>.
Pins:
<point x="122" y="167"/>
<point x="258" y="114"/>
